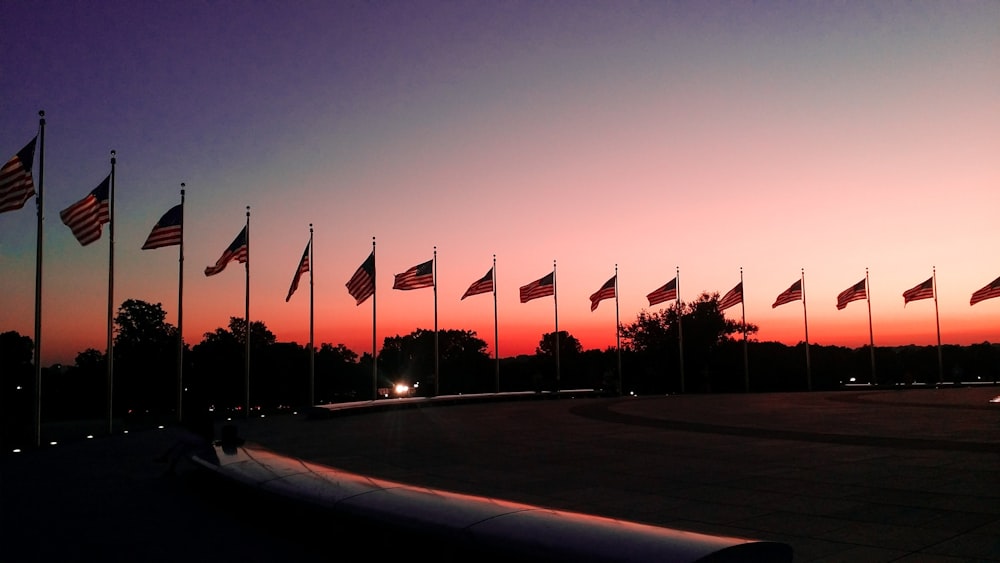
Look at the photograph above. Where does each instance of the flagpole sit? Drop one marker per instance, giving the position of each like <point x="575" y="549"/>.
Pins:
<point x="180" y="317"/>
<point x="746" y="362"/>
<point x="374" y="357"/>
<point x="111" y="292"/>
<point x="680" y="326"/>
<point x="246" y="351"/>
<point x="312" y="341"/>
<point x="437" y="371"/>
<point x="805" y="317"/>
<point x="618" y="340"/>
<point x="496" y="331"/>
<point x="555" y="304"/>
<point x="38" y="282"/>
<point x="871" y="335"/>
<point x="937" y="321"/>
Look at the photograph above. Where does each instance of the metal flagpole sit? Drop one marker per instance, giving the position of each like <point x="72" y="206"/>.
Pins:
<point x="680" y="326"/>
<point x="312" y="340"/>
<point x="496" y="332"/>
<point x="437" y="370"/>
<point x="871" y="335"/>
<point x="746" y="363"/>
<point x="374" y="357"/>
<point x="38" y="282"/>
<point x="618" y="335"/>
<point x="111" y="292"/>
<point x="246" y="351"/>
<point x="805" y="317"/>
<point x="180" y="317"/>
<point x="937" y="321"/>
<point x="555" y="304"/>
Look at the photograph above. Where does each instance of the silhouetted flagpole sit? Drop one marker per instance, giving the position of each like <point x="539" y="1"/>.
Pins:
<point x="680" y="327"/>
<point x="555" y="304"/>
<point x="871" y="334"/>
<point x="180" y="317"/>
<point x="805" y="318"/>
<point x="937" y="322"/>
<point x="374" y="357"/>
<point x="496" y="331"/>
<point x="312" y="341"/>
<point x="437" y="371"/>
<point x="246" y="351"/>
<point x="38" y="281"/>
<point x="618" y="341"/>
<point x="111" y="292"/>
<point x="746" y="362"/>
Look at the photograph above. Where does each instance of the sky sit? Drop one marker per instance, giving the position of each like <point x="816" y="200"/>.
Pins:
<point x="713" y="139"/>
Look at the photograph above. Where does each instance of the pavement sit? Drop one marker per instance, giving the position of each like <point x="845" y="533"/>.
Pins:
<point x="855" y="475"/>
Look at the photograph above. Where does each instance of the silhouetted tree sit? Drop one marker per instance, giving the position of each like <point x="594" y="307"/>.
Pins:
<point x="218" y="363"/>
<point x="545" y="361"/>
<point x="338" y="375"/>
<point x="462" y="358"/>
<point x="145" y="359"/>
<point x="16" y="390"/>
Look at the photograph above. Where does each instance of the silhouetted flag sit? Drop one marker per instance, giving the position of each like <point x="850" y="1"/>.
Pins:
<point x="923" y="290"/>
<point x="665" y="293"/>
<point x="86" y="216"/>
<point x="362" y="284"/>
<point x="539" y="288"/>
<point x="607" y="291"/>
<point x="853" y="293"/>
<point x="734" y="296"/>
<point x="421" y="275"/>
<point x="235" y="251"/>
<point x="16" y="184"/>
<point x="168" y="230"/>
<point x="990" y="291"/>
<point x="793" y="293"/>
<point x="482" y="285"/>
<point x="303" y="268"/>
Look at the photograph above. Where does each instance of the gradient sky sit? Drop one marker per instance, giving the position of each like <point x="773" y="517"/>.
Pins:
<point x="705" y="136"/>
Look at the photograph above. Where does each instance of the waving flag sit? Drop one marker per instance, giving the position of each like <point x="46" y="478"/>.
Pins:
<point x="988" y="292"/>
<point x="86" y="216"/>
<point x="665" y="293"/>
<point x="539" y="288"/>
<point x="16" y="185"/>
<point x="421" y="275"/>
<point x="303" y="268"/>
<point x="236" y="251"/>
<point x="853" y="293"/>
<point x="482" y="285"/>
<point x="168" y="230"/>
<point x="734" y="296"/>
<point x="607" y="291"/>
<point x="361" y="286"/>
<point x="923" y="290"/>
<point x="793" y="293"/>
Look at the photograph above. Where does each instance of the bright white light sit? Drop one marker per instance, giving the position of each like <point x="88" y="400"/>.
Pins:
<point x="125" y="432"/>
<point x="402" y="388"/>
<point x="90" y="436"/>
<point x="263" y="415"/>
<point x="52" y="443"/>
<point x="18" y="388"/>
<point x="852" y="380"/>
<point x="160" y="427"/>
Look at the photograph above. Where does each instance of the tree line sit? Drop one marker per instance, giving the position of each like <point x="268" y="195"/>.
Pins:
<point x="716" y="358"/>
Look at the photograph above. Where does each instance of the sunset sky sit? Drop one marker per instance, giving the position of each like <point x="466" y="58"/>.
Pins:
<point x="706" y="136"/>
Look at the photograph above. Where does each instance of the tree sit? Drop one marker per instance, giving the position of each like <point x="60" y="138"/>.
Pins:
<point x="145" y="356"/>
<point x="218" y="363"/>
<point x="17" y="384"/>
<point x="462" y="358"/>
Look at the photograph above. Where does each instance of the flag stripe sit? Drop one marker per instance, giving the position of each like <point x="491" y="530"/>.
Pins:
<point x="86" y="216"/>
<point x="421" y="275"/>
<point x="168" y="231"/>
<point x="482" y="285"/>
<point x="665" y="293"/>
<point x="924" y="290"/>
<point x="734" y="296"/>
<point x="988" y="292"/>
<point x="16" y="183"/>
<point x="303" y="268"/>
<point x="607" y="291"/>
<point x="361" y="286"/>
<point x="235" y="251"/>
<point x="541" y="287"/>
<point x="853" y="293"/>
<point x="793" y="293"/>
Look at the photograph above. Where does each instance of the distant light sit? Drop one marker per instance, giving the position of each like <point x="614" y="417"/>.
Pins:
<point x="229" y="418"/>
<point x="90" y="436"/>
<point x="263" y="415"/>
<point x="402" y="388"/>
<point x="125" y="432"/>
<point x="160" y="427"/>
<point x="852" y="380"/>
<point x="295" y="412"/>
<point x="995" y="399"/>
<point x="52" y="443"/>
<point x="18" y="388"/>
<point x="16" y="450"/>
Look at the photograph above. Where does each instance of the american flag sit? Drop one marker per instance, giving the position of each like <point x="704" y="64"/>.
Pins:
<point x="168" y="231"/>
<point x="16" y="185"/>
<point x="539" y="288"/>
<point x="990" y="291"/>
<point x="607" y="291"/>
<point x="421" y="275"/>
<point x="665" y="293"/>
<point x="793" y="293"/>
<point x="853" y="293"/>
<point x="238" y="251"/>
<point x="303" y="268"/>
<point x="924" y="290"/>
<point x="482" y="285"/>
<point x="362" y="284"/>
<point x="86" y="216"/>
<point x="734" y="296"/>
